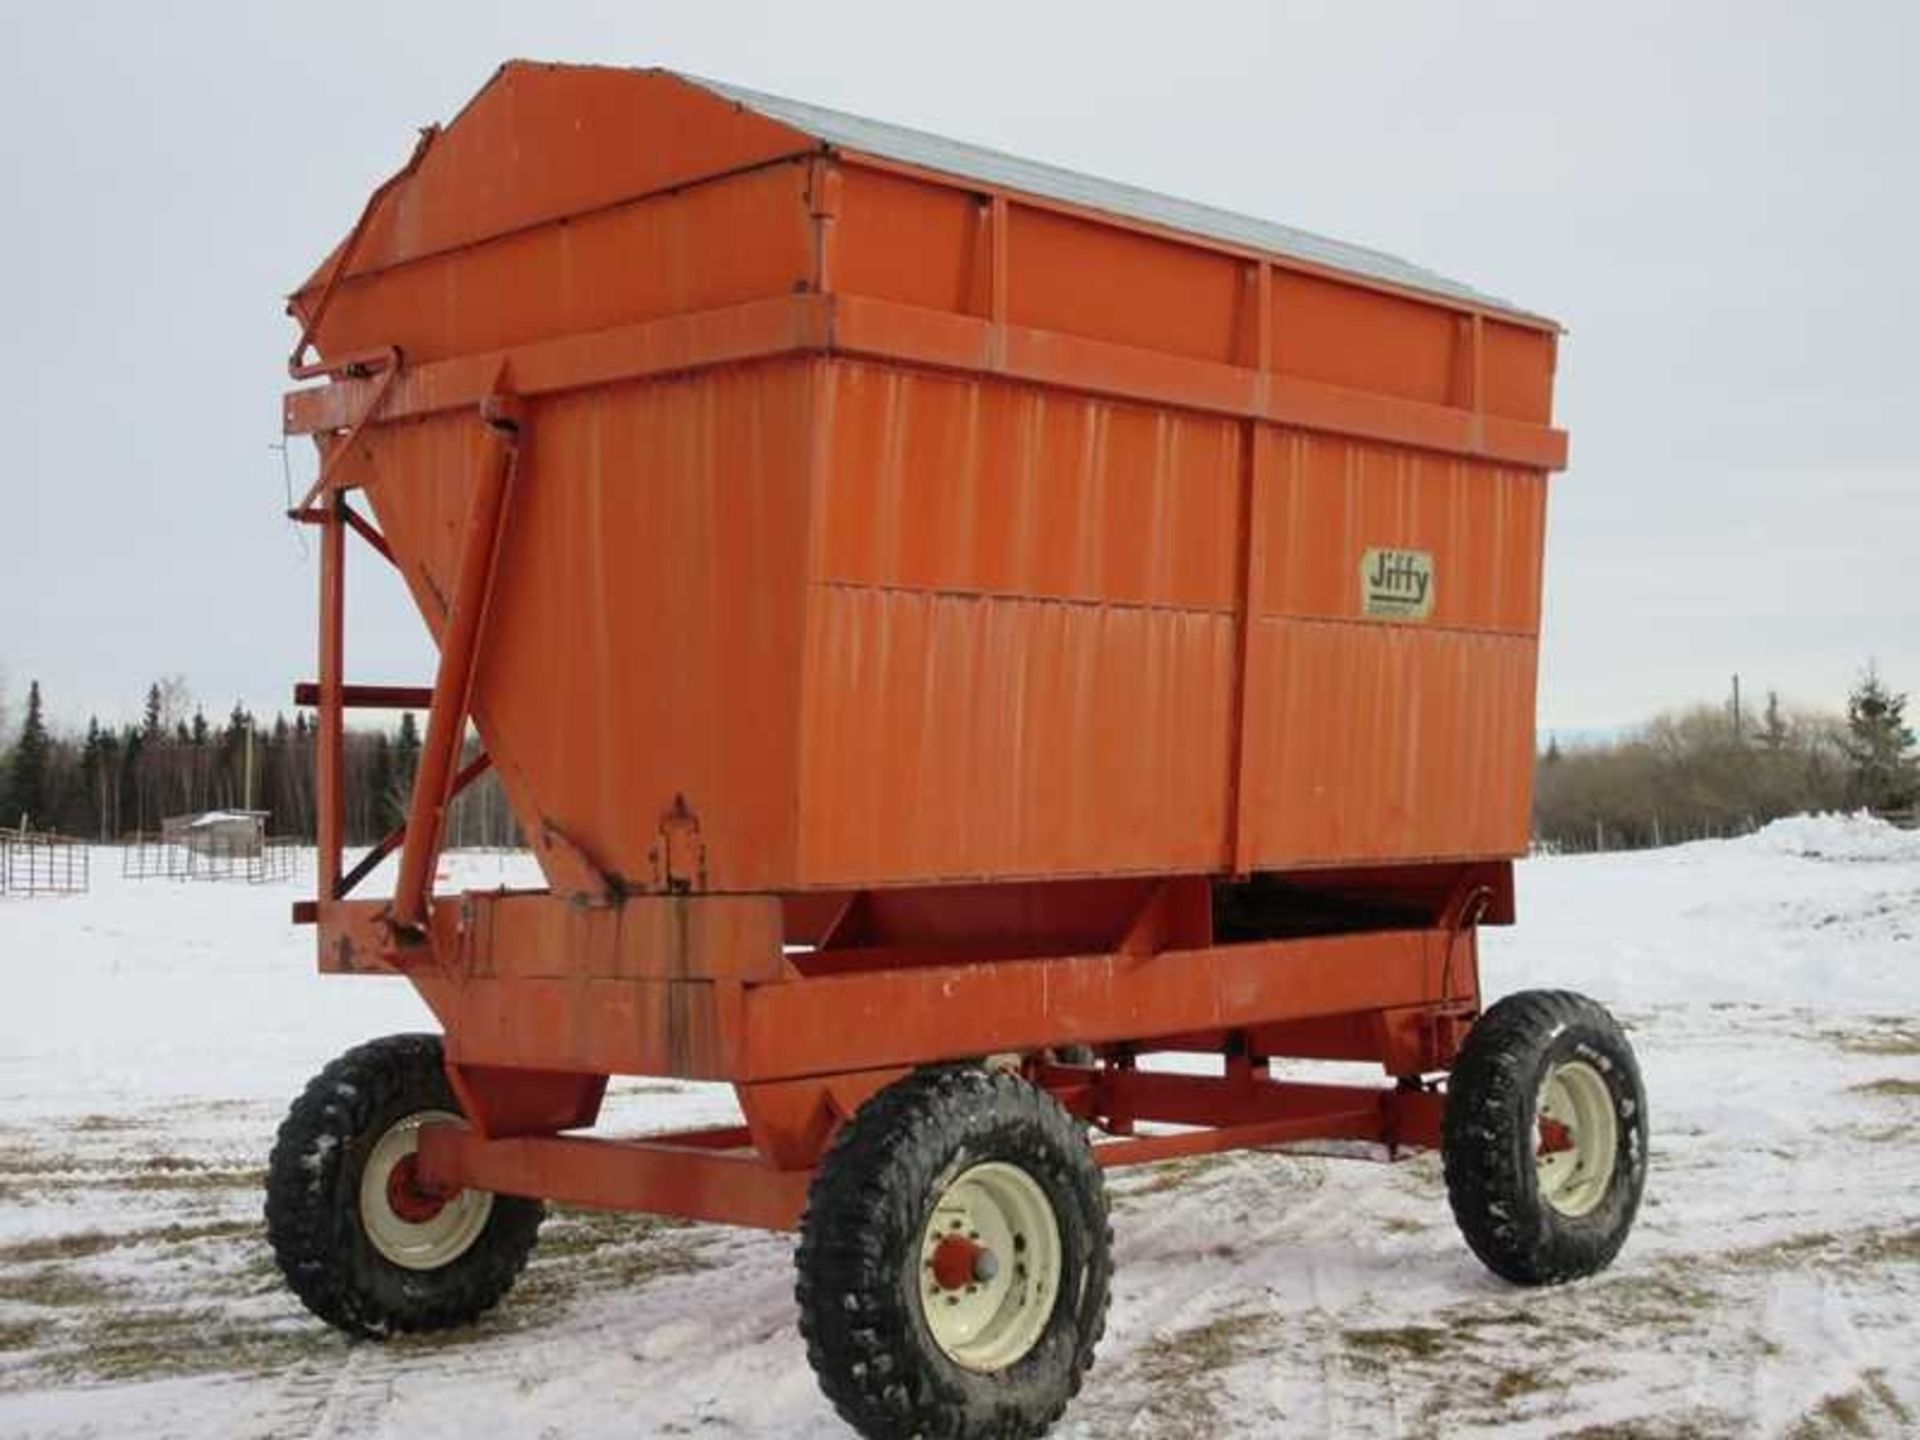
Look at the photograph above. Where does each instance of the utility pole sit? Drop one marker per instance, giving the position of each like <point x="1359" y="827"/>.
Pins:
<point x="1736" y="709"/>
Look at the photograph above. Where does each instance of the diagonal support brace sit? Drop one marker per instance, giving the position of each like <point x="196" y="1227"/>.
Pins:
<point x="460" y="647"/>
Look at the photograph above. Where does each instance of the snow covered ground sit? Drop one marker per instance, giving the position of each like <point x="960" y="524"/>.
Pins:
<point x="152" y="1033"/>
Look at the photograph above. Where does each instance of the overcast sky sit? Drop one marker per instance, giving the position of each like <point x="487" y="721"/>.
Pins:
<point x="1720" y="201"/>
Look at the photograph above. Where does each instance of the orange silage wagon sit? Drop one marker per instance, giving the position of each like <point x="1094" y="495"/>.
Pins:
<point x="951" y="629"/>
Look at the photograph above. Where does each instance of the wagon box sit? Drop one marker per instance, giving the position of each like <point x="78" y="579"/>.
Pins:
<point x="948" y="627"/>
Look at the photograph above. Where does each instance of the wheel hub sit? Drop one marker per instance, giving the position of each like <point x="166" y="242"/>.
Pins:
<point x="959" y="1262"/>
<point x="1555" y="1138"/>
<point x="408" y="1222"/>
<point x="408" y="1195"/>
<point x="1579" y="1136"/>
<point x="989" y="1267"/>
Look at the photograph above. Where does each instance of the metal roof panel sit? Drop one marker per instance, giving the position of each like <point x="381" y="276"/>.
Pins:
<point x="1053" y="182"/>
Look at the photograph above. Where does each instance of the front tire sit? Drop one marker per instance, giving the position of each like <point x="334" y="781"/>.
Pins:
<point x="359" y="1241"/>
<point x="954" y="1260"/>
<point x="1545" y="1138"/>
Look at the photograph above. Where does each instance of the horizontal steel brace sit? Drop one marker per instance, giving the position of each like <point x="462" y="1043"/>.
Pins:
<point x="368" y="697"/>
<point x="684" y="1176"/>
<point x="880" y="329"/>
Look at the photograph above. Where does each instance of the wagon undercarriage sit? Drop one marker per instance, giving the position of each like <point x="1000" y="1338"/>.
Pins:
<point x="808" y="1035"/>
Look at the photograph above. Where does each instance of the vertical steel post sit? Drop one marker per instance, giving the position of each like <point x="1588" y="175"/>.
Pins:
<point x="329" y="787"/>
<point x="1250" y="577"/>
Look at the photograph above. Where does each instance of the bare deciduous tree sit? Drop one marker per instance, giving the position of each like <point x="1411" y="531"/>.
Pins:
<point x="1689" y="775"/>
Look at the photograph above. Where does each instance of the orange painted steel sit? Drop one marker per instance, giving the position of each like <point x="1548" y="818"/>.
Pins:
<point x="691" y="1179"/>
<point x="1069" y="629"/>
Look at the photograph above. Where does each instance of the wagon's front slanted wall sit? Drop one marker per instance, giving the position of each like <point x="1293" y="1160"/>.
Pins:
<point x="891" y="512"/>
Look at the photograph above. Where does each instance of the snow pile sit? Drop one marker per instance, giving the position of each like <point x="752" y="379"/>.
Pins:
<point x="1859" y="836"/>
<point x="1768" y="919"/>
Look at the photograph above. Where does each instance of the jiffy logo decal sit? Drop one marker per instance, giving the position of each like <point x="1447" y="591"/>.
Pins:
<point x="1396" y="584"/>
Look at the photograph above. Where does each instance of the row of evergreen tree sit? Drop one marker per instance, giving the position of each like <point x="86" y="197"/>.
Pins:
<point x="114" y="783"/>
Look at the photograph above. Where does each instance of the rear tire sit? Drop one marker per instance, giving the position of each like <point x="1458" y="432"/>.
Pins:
<point x="362" y="1246"/>
<point x="954" y="1260"/>
<point x="1545" y="1138"/>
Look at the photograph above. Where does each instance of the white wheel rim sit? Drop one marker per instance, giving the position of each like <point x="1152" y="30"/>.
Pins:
<point x="426" y="1244"/>
<point x="1001" y="1308"/>
<point x="1577" y="1137"/>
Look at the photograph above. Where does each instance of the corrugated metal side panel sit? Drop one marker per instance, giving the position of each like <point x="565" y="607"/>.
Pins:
<point x="1329" y="500"/>
<point x="1078" y="276"/>
<point x="1362" y="340"/>
<point x="950" y="483"/>
<point x="1032" y="177"/>
<point x="645" y="631"/>
<point x="541" y="142"/>
<point x="1371" y="739"/>
<point x="929" y="243"/>
<point x="1383" y="742"/>
<point x="955" y="737"/>
<point x="666" y="255"/>
<point x="1020" y="647"/>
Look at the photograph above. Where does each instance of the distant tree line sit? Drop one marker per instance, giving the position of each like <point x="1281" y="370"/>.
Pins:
<point x="1714" y="771"/>
<point x="1701" y="772"/>
<point x="110" y="783"/>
